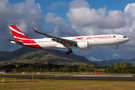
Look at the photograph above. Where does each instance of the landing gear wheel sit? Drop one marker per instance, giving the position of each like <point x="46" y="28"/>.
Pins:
<point x="68" y="51"/>
<point x="117" y="47"/>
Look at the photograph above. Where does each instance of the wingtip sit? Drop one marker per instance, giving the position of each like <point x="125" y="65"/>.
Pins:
<point x="35" y="30"/>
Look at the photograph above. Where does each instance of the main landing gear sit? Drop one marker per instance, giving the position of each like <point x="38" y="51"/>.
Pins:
<point x="68" y="51"/>
<point x="117" y="47"/>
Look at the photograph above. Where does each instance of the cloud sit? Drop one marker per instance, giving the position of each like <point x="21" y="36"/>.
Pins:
<point x="80" y="14"/>
<point x="130" y="8"/>
<point x="59" y="26"/>
<point x="26" y="15"/>
<point x="55" y="5"/>
<point x="50" y="18"/>
<point x="79" y="4"/>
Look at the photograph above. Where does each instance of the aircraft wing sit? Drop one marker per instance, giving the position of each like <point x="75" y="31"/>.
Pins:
<point x="65" y="42"/>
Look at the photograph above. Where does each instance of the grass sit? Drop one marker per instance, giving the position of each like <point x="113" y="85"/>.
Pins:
<point x="100" y="70"/>
<point x="67" y="73"/>
<point x="52" y="84"/>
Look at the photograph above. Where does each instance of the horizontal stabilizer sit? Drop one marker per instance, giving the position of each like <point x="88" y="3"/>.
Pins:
<point x="16" y="42"/>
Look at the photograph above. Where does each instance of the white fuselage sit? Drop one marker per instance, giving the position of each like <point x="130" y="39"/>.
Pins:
<point x="95" y="40"/>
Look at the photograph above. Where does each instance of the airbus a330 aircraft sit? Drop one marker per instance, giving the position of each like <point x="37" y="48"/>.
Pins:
<point x="80" y="42"/>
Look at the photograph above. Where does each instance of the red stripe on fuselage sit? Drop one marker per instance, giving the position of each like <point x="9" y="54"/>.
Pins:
<point x="79" y="37"/>
<point x="34" y="46"/>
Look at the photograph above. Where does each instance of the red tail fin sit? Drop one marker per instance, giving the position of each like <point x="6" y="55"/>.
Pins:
<point x="18" y="35"/>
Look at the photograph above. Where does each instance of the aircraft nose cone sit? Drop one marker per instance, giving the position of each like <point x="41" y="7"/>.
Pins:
<point x="128" y="39"/>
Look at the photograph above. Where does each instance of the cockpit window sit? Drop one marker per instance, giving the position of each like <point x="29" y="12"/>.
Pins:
<point x="124" y="36"/>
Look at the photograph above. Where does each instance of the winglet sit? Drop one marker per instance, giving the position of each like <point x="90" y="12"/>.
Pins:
<point x="36" y="31"/>
<point x="43" y="33"/>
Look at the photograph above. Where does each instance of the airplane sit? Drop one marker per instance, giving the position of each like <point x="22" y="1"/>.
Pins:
<point x="80" y="42"/>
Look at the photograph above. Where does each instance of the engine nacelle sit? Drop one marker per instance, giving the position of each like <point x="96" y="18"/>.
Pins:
<point x="83" y="45"/>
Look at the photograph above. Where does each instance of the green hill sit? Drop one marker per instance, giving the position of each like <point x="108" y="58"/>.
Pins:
<point x="41" y="56"/>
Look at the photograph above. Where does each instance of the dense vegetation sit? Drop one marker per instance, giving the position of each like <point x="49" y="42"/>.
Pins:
<point x="47" y="68"/>
<point x="124" y="67"/>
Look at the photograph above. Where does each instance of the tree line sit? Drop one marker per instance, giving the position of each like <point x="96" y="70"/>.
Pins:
<point x="124" y="67"/>
<point x="48" y="68"/>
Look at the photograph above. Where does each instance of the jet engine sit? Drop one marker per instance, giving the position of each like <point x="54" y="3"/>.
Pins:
<point x="83" y="45"/>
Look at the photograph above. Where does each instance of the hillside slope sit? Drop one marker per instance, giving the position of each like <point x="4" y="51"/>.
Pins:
<point x="44" y="56"/>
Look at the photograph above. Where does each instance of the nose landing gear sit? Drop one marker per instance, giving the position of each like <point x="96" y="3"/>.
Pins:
<point x="117" y="47"/>
<point x="68" y="51"/>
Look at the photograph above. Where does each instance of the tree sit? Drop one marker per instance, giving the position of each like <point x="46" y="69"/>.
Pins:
<point x="82" y="68"/>
<point x="93" y="66"/>
<point x="109" y="69"/>
<point x="125" y="66"/>
<point x="116" y="65"/>
<point x="66" y="69"/>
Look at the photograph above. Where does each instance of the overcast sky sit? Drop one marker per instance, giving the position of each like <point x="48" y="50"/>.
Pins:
<point x="71" y="18"/>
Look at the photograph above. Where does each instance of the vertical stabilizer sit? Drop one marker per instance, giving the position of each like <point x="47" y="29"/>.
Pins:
<point x="18" y="35"/>
<point x="21" y="38"/>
